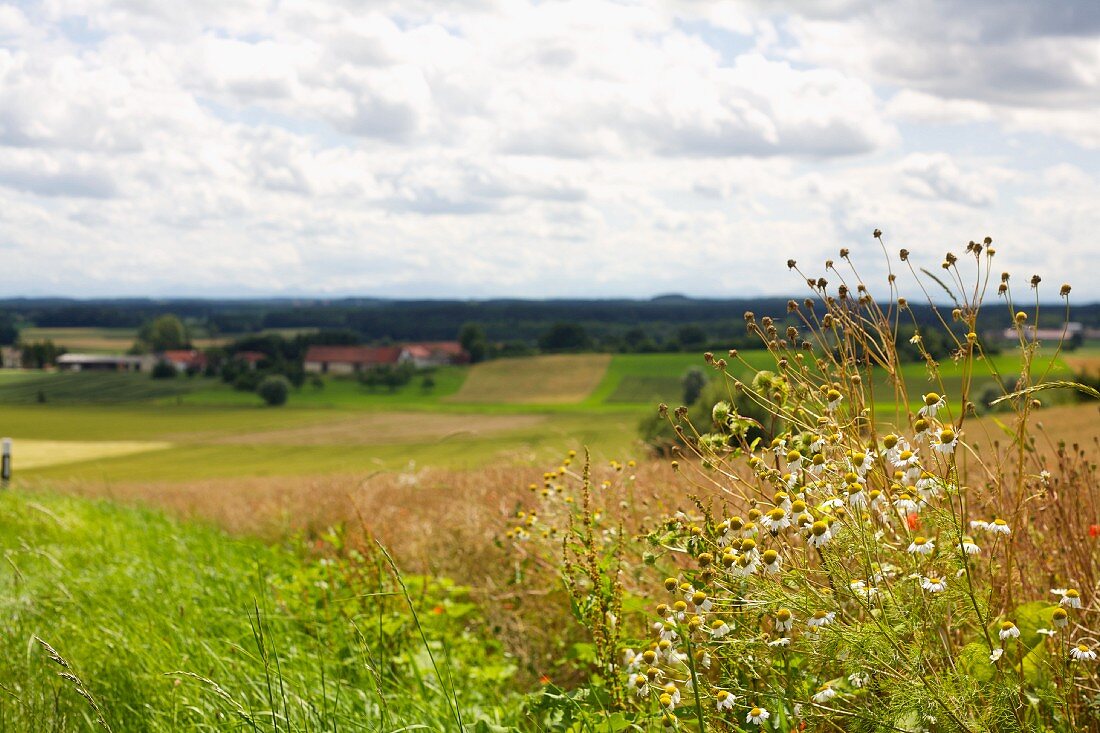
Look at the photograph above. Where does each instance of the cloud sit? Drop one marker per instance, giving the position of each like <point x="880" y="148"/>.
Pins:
<point x="526" y="148"/>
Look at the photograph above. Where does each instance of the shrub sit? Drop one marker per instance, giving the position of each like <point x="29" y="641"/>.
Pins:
<point x="274" y="390"/>
<point x="163" y="370"/>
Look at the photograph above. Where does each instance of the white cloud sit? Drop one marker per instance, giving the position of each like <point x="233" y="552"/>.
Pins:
<point x="522" y="148"/>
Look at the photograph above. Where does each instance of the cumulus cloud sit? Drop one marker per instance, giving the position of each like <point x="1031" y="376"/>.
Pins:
<point x="525" y="148"/>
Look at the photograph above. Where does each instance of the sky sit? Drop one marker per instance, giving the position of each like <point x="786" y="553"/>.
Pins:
<point x="241" y="148"/>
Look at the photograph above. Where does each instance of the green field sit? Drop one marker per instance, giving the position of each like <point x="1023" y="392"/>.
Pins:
<point x="513" y="410"/>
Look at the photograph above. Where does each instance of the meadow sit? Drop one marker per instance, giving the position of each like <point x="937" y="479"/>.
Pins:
<point x="193" y="560"/>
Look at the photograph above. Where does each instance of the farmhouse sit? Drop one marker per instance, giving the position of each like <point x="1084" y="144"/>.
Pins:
<point x="104" y="363"/>
<point x="1073" y="330"/>
<point x="353" y="359"/>
<point x="185" y="359"/>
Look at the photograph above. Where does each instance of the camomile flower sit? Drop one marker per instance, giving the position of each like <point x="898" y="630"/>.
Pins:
<point x="933" y="584"/>
<point x="817" y="464"/>
<point x="858" y="679"/>
<point x="640" y="683"/>
<point x="819" y="534"/>
<point x="772" y="561"/>
<point x="776" y="520"/>
<point x="922" y="546"/>
<point x="979" y="524"/>
<point x="784" y="620"/>
<point x="666" y="632"/>
<point x="794" y="461"/>
<point x="673" y="694"/>
<point x="757" y="716"/>
<point x="824" y="694"/>
<point x="725" y="700"/>
<point x="747" y="564"/>
<point x="921" y="430"/>
<point x="905" y="505"/>
<point x="820" y="618"/>
<point x="1059" y="617"/>
<point x="928" y="485"/>
<point x="1082" y="653"/>
<point x="632" y="661"/>
<point x="861" y="463"/>
<point x="1008" y="631"/>
<point x="932" y="404"/>
<point x="856" y="496"/>
<point x="948" y="441"/>
<point x="781" y="641"/>
<point x="996" y="655"/>
<point x="967" y="545"/>
<point x="719" y="628"/>
<point x="1071" y="598"/>
<point x="999" y="526"/>
<point x="782" y="500"/>
<point x="835" y="398"/>
<point x="1046" y="632"/>
<point x="749" y="530"/>
<point x="833" y="502"/>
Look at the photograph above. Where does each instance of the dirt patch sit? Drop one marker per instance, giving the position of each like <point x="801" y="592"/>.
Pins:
<point x="387" y="428"/>
<point x="39" y="453"/>
<point x="556" y="379"/>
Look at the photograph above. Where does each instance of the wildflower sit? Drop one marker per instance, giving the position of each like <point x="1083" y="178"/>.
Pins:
<point x="747" y="564"/>
<point x="933" y="584"/>
<point x="861" y="463"/>
<point x="824" y="694"/>
<point x="967" y="545"/>
<point x="1082" y="653"/>
<point x="781" y="641"/>
<point x="724" y="700"/>
<point x="1008" y="631"/>
<point x="640" y="683"/>
<point x="922" y="546"/>
<point x="631" y="660"/>
<point x="794" y="461"/>
<point x="833" y="502"/>
<point x="819" y="534"/>
<point x="835" y="398"/>
<point x="701" y="602"/>
<point x="905" y="504"/>
<point x="1059" y="618"/>
<point x="928" y="485"/>
<point x="1071" y="598"/>
<point x="820" y="618"/>
<point x="999" y="526"/>
<point x="921" y="428"/>
<point x="996" y="655"/>
<point x="932" y="404"/>
<point x="784" y="620"/>
<point x="667" y="633"/>
<point x="719" y="628"/>
<point x="757" y="716"/>
<point x="949" y="439"/>
<point x="673" y="696"/>
<point x="858" y="679"/>
<point x="856" y="497"/>
<point x="1046" y="632"/>
<point x="772" y="561"/>
<point x="775" y="520"/>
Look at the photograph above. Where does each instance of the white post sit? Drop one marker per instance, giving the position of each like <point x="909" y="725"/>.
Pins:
<point x="5" y="462"/>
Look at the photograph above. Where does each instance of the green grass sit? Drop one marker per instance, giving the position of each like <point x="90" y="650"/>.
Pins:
<point x="173" y="627"/>
<point x="343" y="392"/>
<point x="90" y="388"/>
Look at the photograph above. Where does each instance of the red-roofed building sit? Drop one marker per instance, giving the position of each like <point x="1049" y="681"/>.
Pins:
<point x="353" y="359"/>
<point x="349" y="359"/>
<point x="184" y="359"/>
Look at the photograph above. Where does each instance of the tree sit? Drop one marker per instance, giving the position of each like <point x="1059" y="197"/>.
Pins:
<point x="164" y="370"/>
<point x="692" y="383"/>
<point x="41" y="354"/>
<point x="274" y="390"/>
<point x="9" y="333"/>
<point x="692" y="336"/>
<point x="472" y="338"/>
<point x="162" y="333"/>
<point x="564" y="337"/>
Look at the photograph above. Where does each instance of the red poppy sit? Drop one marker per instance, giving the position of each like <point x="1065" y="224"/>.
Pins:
<point x="544" y="680"/>
<point x="913" y="521"/>
<point x="1094" y="530"/>
<point x="438" y="610"/>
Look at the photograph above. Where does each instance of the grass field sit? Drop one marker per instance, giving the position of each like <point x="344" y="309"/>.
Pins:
<point x="557" y="379"/>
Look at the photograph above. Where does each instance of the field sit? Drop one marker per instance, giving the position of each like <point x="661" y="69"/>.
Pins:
<point x="304" y="626"/>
